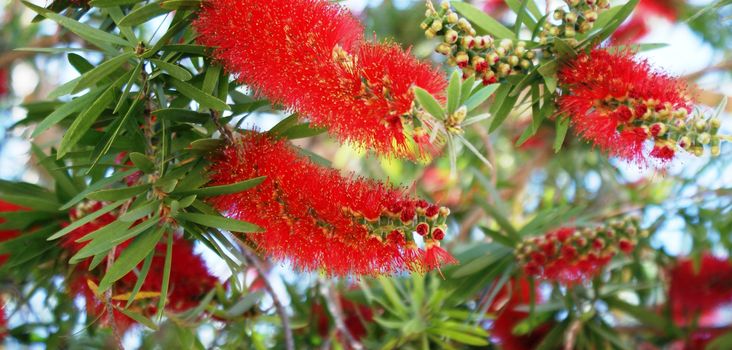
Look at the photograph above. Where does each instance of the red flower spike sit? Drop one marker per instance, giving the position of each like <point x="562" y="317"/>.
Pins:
<point x="514" y="295"/>
<point x="3" y="82"/>
<point x="310" y="55"/>
<point x="693" y="292"/>
<point x="570" y="256"/>
<point x="186" y="267"/>
<point x="609" y="100"/>
<point x="313" y="216"/>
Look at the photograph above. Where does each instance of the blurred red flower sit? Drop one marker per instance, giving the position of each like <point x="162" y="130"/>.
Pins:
<point x="516" y="293"/>
<point x="693" y="292"/>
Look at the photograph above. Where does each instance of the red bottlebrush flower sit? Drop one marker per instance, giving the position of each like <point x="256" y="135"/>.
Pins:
<point x="692" y="293"/>
<point x="3" y="322"/>
<point x="318" y="219"/>
<point x="514" y="294"/>
<point x="638" y="25"/>
<point x="6" y="235"/>
<point x="311" y="56"/>
<point x="3" y="82"/>
<point x="494" y="7"/>
<point x="614" y="99"/>
<point x="570" y="256"/>
<point x="189" y="280"/>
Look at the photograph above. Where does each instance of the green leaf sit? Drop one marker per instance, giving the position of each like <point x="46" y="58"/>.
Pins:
<point x="140" y="278"/>
<point x="182" y="115"/>
<point x="226" y="189"/>
<point x="428" y="102"/>
<point x="86" y="219"/>
<point x="102" y="71"/>
<point x="138" y="317"/>
<point x="194" y="93"/>
<point x="103" y="243"/>
<point x="139" y="212"/>
<point x="66" y="110"/>
<point x="142" y="162"/>
<point x="562" y="127"/>
<point x="111" y="3"/>
<point x="174" y="70"/>
<point x="207" y="145"/>
<point x="460" y="337"/>
<point x="181" y="4"/>
<point x="482" y="21"/>
<point x="32" y="202"/>
<point x="96" y="186"/>
<point x="500" y="116"/>
<point x="721" y="342"/>
<point x="143" y="14"/>
<point x="480" y="96"/>
<point x="300" y="131"/>
<point x="219" y="222"/>
<point x="118" y="193"/>
<point x="166" y="277"/>
<point x="86" y="119"/>
<point x="126" y="92"/>
<point x="466" y="88"/>
<point x="453" y="93"/>
<point x="130" y="257"/>
<point x="645" y="316"/>
<point x="95" y="36"/>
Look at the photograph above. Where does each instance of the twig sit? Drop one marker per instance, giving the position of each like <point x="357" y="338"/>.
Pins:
<point x="223" y="128"/>
<point x="252" y="258"/>
<point x="8" y="57"/>
<point x="335" y="309"/>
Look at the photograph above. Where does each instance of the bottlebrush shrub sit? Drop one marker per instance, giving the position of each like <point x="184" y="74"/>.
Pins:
<point x="695" y="290"/>
<point x="189" y="280"/>
<point x="3" y="82"/>
<point x="570" y="255"/>
<point x="618" y="102"/>
<point x="311" y="56"/>
<point x="318" y="219"/>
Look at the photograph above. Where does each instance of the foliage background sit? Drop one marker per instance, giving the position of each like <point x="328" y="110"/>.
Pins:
<point x="688" y="207"/>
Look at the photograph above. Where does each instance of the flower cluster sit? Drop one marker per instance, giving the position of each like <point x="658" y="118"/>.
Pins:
<point x="618" y="103"/>
<point x="186" y="267"/>
<point x="570" y="255"/>
<point x="578" y="18"/>
<point x="318" y="219"/>
<point x="515" y="294"/>
<point x="475" y="55"/>
<point x="638" y="25"/>
<point x="312" y="56"/>
<point x="694" y="291"/>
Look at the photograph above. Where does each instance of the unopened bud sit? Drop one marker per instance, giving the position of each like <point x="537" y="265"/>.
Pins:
<point x="506" y="44"/>
<point x="715" y="151"/>
<point x="513" y="60"/>
<point x="451" y="36"/>
<point x="445" y="4"/>
<point x="700" y="125"/>
<point x="468" y="41"/>
<point x="698" y="151"/>
<point x="558" y="14"/>
<point x="571" y="18"/>
<point x="586" y="27"/>
<point x="501" y="52"/>
<point x="569" y="31"/>
<point x="460" y="114"/>
<point x="462" y="59"/>
<point x="530" y="55"/>
<point x="464" y="24"/>
<point x="715" y="123"/>
<point x="520" y="51"/>
<point x="525" y="64"/>
<point x="553" y="31"/>
<point x="444" y="49"/>
<point x="429" y="33"/>
<point x="704" y="138"/>
<point x="436" y="26"/>
<point x="685" y="142"/>
<point x="452" y="18"/>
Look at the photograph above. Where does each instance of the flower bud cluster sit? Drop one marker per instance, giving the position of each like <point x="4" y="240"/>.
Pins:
<point x="570" y="255"/>
<point x="579" y="18"/>
<point x="404" y="218"/>
<point x="671" y="127"/>
<point x="476" y="55"/>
